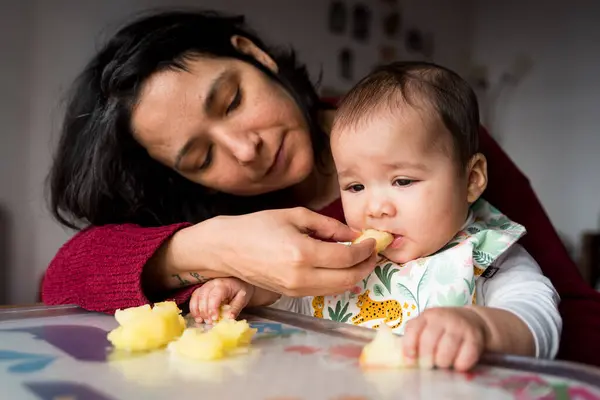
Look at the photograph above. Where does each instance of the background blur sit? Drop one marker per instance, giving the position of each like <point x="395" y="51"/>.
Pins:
<point x="534" y="63"/>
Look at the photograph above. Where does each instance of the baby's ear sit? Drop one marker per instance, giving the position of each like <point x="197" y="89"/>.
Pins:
<point x="477" y="177"/>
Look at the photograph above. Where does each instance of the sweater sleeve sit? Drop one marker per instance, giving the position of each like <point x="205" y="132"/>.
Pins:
<point x="100" y="268"/>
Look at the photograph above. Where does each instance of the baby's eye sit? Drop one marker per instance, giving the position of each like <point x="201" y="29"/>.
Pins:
<point x="403" y="182"/>
<point x="355" y="188"/>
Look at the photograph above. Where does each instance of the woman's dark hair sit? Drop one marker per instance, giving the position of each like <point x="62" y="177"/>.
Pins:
<point x="101" y="175"/>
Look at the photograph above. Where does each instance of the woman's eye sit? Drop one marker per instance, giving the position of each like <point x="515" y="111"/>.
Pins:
<point x="237" y="99"/>
<point x="403" y="182"/>
<point x="355" y="188"/>
<point x="207" y="159"/>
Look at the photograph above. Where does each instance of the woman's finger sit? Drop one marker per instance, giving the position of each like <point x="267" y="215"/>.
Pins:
<point x="321" y="227"/>
<point x="329" y="281"/>
<point x="336" y="255"/>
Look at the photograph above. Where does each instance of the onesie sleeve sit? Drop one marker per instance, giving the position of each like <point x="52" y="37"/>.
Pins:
<point x="519" y="286"/>
<point x="299" y="305"/>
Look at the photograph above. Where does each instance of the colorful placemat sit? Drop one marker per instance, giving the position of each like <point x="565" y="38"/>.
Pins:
<point x="65" y="356"/>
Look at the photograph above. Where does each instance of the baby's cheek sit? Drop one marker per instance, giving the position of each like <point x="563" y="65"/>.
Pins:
<point x="428" y="234"/>
<point x="353" y="212"/>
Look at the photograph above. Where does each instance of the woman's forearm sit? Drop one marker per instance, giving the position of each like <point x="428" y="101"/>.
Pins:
<point x="175" y="265"/>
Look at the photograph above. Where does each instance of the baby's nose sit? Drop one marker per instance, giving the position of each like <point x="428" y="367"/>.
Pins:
<point x="381" y="208"/>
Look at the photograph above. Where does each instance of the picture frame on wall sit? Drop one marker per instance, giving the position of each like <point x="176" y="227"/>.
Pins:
<point x="361" y="22"/>
<point x="338" y="17"/>
<point x="392" y="24"/>
<point x="346" y="64"/>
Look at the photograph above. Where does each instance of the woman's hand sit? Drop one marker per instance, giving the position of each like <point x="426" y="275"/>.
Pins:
<point x="286" y="251"/>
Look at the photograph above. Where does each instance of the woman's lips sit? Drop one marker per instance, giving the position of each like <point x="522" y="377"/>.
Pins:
<point x="277" y="161"/>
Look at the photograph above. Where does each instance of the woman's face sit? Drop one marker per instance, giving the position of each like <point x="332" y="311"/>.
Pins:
<point x="226" y="125"/>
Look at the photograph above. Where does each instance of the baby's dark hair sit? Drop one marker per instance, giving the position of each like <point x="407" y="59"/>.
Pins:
<point x="416" y="83"/>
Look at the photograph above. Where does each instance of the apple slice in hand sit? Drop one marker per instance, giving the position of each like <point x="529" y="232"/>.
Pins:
<point x="384" y="352"/>
<point x="382" y="239"/>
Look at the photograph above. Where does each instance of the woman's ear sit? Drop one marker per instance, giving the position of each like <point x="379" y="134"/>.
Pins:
<point x="477" y="177"/>
<point x="247" y="46"/>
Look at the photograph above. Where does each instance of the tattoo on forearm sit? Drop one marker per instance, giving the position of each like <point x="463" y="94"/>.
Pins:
<point x="194" y="276"/>
<point x="198" y="277"/>
<point x="182" y="282"/>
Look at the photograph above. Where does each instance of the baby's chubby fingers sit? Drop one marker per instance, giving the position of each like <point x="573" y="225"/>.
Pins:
<point x="447" y="348"/>
<point x="428" y="343"/>
<point x="195" y="305"/>
<point x="468" y="355"/>
<point x="216" y="298"/>
<point x="238" y="303"/>
<point x="411" y="338"/>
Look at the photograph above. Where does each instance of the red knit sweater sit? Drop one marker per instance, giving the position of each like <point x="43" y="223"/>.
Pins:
<point x="100" y="268"/>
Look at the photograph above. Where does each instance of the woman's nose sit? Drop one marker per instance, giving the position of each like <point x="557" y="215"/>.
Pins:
<point x="245" y="147"/>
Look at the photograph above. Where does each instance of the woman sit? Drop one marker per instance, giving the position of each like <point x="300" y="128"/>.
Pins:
<point x="181" y="130"/>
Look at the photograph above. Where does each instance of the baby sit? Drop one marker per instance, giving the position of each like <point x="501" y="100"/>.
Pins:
<point x="454" y="281"/>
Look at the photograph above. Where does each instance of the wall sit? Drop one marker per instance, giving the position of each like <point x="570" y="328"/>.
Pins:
<point x="15" y="40"/>
<point x="53" y="40"/>
<point x="548" y="123"/>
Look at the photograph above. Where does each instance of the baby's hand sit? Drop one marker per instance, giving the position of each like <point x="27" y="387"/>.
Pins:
<point x="445" y="337"/>
<point x="207" y="300"/>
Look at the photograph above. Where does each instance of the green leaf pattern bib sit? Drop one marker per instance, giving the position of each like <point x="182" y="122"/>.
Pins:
<point x="393" y="294"/>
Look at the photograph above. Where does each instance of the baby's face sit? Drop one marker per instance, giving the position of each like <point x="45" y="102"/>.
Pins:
<point x="397" y="174"/>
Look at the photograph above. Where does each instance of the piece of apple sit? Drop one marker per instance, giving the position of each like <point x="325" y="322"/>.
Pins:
<point x="234" y="333"/>
<point x="144" y="328"/>
<point x="226" y="337"/>
<point x="384" y="351"/>
<point x="196" y="344"/>
<point x="382" y="239"/>
<point x="125" y="316"/>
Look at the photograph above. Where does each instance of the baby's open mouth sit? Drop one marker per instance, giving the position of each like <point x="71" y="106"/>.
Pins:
<point x="397" y="242"/>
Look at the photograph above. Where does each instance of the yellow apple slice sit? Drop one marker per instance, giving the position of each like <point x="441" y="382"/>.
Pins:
<point x="385" y="351"/>
<point x="198" y="345"/>
<point x="128" y="315"/>
<point x="144" y="328"/>
<point x="226" y="337"/>
<point x="234" y="333"/>
<point x="382" y="239"/>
